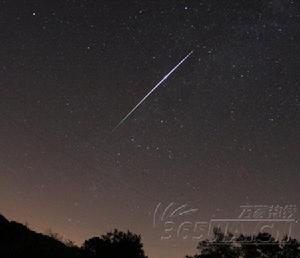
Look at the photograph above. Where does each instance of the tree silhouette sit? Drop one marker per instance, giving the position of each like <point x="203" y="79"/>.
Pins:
<point x="220" y="247"/>
<point x="116" y="244"/>
<point x="263" y="245"/>
<point x="18" y="241"/>
<point x="290" y="248"/>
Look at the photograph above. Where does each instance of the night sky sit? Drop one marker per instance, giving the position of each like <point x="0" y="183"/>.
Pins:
<point x="222" y="131"/>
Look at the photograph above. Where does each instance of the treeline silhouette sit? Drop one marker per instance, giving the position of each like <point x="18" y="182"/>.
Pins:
<point x="262" y="245"/>
<point x="18" y="241"/>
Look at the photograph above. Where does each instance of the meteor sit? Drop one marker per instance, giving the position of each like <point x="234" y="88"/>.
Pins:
<point x="153" y="89"/>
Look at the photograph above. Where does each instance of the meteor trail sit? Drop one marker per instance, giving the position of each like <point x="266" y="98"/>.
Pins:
<point x="153" y="89"/>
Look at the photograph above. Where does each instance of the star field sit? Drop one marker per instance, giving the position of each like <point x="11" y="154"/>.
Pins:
<point x="221" y="132"/>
